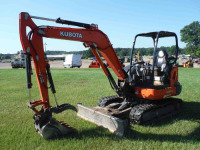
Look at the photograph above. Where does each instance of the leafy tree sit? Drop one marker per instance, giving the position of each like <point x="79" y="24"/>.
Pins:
<point x="123" y="52"/>
<point x="8" y="57"/>
<point x="149" y="51"/>
<point x="142" y="51"/>
<point x="117" y="50"/>
<point x="190" y="34"/>
<point x="89" y="53"/>
<point x="170" y="50"/>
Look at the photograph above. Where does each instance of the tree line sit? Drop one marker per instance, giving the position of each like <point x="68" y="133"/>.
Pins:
<point x="143" y="51"/>
<point x="119" y="51"/>
<point x="190" y="34"/>
<point x="6" y="56"/>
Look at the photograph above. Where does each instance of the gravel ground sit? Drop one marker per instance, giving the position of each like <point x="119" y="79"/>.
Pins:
<point x="5" y="65"/>
<point x="85" y="64"/>
<point x="53" y="64"/>
<point x="59" y="64"/>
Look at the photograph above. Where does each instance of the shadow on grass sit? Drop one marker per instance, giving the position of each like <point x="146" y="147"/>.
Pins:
<point x="190" y="112"/>
<point x="91" y="133"/>
<point x="194" y="136"/>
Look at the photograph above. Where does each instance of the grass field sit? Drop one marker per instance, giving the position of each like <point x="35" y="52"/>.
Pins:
<point x="87" y="86"/>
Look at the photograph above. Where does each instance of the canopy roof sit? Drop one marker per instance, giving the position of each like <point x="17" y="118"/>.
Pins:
<point x="161" y="34"/>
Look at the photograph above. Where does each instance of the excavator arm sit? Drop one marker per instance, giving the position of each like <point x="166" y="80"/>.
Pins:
<point x="32" y="44"/>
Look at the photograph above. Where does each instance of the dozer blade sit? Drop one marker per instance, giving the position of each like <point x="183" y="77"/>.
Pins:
<point x="113" y="124"/>
<point x="54" y="129"/>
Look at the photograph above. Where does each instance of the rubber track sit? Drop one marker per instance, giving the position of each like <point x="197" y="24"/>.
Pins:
<point x="105" y="101"/>
<point x="144" y="113"/>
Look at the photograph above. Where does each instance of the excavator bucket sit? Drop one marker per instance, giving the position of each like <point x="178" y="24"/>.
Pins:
<point x="48" y="127"/>
<point x="113" y="124"/>
<point x="54" y="129"/>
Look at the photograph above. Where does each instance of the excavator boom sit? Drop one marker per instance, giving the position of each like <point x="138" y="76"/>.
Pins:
<point x="32" y="44"/>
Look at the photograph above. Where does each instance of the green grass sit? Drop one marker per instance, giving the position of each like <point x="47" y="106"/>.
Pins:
<point x="87" y="86"/>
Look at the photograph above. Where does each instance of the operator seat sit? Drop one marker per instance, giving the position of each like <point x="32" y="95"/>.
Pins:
<point x="161" y="60"/>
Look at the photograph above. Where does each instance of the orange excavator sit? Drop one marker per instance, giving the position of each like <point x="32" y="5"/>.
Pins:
<point x="143" y="90"/>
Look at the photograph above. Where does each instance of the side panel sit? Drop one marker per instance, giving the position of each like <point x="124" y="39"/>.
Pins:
<point x="173" y="76"/>
<point x="68" y="59"/>
<point x="153" y="94"/>
<point x="76" y="60"/>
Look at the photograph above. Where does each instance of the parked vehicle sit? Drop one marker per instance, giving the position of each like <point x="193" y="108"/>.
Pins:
<point x="94" y="64"/>
<point x="72" y="60"/>
<point x="18" y="64"/>
<point x="183" y="58"/>
<point x="196" y="60"/>
<point x="19" y="60"/>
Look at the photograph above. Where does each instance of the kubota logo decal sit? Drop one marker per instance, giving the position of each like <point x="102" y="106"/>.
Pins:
<point x="71" y="34"/>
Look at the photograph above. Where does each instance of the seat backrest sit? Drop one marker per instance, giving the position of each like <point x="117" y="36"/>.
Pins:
<point x="161" y="58"/>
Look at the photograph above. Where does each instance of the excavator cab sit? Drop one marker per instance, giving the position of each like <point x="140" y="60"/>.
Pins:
<point x="156" y="73"/>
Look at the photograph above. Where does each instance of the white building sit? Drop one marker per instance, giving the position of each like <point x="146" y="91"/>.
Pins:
<point x="56" y="57"/>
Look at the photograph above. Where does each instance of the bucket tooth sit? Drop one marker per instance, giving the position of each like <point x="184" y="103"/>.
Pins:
<point x="113" y="124"/>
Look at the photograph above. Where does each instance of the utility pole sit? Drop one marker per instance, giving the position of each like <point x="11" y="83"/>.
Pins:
<point x="45" y="44"/>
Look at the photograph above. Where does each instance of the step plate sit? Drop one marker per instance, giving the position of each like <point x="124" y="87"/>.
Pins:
<point x="113" y="124"/>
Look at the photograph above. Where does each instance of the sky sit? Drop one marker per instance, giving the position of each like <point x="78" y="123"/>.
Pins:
<point x="121" y="20"/>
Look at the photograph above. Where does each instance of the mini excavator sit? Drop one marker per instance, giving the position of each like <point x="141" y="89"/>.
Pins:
<point x="144" y="90"/>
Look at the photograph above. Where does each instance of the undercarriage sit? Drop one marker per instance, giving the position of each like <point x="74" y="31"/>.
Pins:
<point x="116" y="114"/>
<point x="139" y="111"/>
